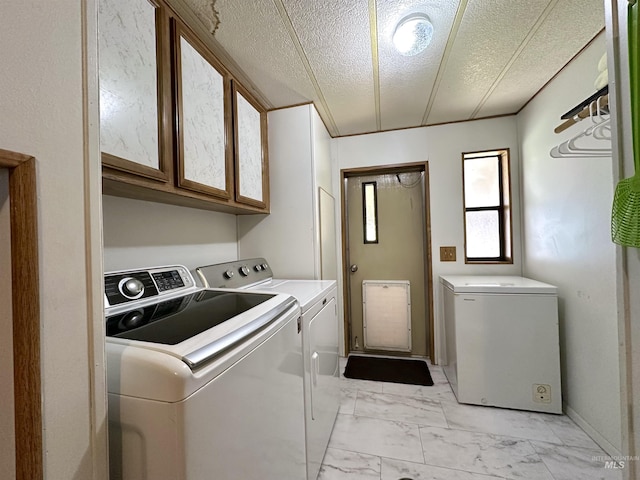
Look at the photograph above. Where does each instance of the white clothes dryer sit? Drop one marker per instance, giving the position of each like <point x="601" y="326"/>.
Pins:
<point x="319" y="326"/>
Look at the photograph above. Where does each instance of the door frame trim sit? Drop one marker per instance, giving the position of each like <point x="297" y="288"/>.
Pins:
<point x="381" y="170"/>
<point x="25" y="297"/>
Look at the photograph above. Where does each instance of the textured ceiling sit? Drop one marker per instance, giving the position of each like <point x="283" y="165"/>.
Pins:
<point x="487" y="57"/>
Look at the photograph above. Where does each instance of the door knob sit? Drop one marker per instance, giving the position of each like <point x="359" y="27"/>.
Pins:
<point x="353" y="268"/>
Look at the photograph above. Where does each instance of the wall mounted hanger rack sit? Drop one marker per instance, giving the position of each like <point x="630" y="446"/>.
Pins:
<point x="585" y="103"/>
<point x="585" y="112"/>
<point x="598" y="129"/>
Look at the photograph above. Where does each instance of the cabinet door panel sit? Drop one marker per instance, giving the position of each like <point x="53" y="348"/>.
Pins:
<point x="130" y="71"/>
<point x="252" y="187"/>
<point x="204" y="154"/>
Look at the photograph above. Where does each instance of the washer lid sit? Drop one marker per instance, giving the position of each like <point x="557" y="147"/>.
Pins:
<point x="186" y="327"/>
<point x="170" y="372"/>
<point x="502" y="284"/>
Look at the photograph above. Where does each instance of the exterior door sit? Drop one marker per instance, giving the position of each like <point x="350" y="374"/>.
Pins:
<point x="387" y="242"/>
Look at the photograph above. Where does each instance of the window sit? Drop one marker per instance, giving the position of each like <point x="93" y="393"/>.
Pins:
<point x="487" y="212"/>
<point x="370" y="212"/>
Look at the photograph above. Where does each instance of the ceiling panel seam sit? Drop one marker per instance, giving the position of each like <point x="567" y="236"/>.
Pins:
<point x="286" y="20"/>
<point x="534" y="29"/>
<point x="373" y="27"/>
<point x="445" y="58"/>
<point x="561" y="69"/>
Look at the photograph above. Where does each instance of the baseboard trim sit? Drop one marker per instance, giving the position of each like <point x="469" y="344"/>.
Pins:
<point x="592" y="432"/>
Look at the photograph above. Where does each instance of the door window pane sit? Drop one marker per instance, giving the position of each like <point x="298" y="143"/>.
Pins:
<point x="481" y="187"/>
<point x="370" y="212"/>
<point x="483" y="234"/>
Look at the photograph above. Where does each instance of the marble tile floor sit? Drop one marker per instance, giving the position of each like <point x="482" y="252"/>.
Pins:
<point x="388" y="431"/>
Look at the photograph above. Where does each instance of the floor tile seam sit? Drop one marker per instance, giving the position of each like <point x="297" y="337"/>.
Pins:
<point x="550" y="431"/>
<point x="419" y="396"/>
<point x="403" y="422"/>
<point x="355" y="389"/>
<point x="598" y="450"/>
<point x="564" y="443"/>
<point x="489" y="476"/>
<point x="424" y="458"/>
<point x="539" y="456"/>
<point x="415" y="397"/>
<point x="348" y="381"/>
<point x="510" y="437"/>
<point x="445" y="416"/>
<point x="357" y="453"/>
<point x="535" y="452"/>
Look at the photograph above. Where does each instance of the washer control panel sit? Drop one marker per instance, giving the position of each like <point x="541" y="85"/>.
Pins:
<point x="235" y="274"/>
<point x="133" y="285"/>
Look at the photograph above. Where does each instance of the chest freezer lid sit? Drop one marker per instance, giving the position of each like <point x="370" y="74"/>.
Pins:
<point x="503" y="284"/>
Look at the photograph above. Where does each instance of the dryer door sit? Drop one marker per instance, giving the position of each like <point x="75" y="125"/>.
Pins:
<point x="325" y="390"/>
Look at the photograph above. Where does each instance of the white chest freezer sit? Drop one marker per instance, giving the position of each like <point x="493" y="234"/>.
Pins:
<point x="502" y="343"/>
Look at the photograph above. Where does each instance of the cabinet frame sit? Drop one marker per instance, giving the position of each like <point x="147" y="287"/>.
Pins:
<point x="179" y="31"/>
<point x="167" y="184"/>
<point x="237" y="88"/>
<point x="164" y="104"/>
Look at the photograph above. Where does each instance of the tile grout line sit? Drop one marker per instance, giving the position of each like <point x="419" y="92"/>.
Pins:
<point x="424" y="459"/>
<point x="541" y="459"/>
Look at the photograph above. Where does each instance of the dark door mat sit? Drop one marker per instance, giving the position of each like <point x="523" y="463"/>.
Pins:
<point x="394" y="370"/>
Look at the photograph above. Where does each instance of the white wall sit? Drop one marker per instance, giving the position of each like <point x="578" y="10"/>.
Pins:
<point x="442" y="146"/>
<point x="566" y="229"/>
<point x="286" y="237"/>
<point x="143" y="234"/>
<point x="48" y="100"/>
<point x="299" y="163"/>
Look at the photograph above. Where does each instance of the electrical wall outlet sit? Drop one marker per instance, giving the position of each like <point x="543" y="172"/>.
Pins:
<point x="447" y="254"/>
<point x="541" y="393"/>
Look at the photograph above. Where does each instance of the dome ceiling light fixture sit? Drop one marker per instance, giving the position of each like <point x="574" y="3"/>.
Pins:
<point x="413" y="34"/>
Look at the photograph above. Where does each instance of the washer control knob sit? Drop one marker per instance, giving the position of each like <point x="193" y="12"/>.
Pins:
<point x="244" y="271"/>
<point x="132" y="319"/>
<point x="265" y="266"/>
<point x="131" y="288"/>
<point x="258" y="268"/>
<point x="228" y="274"/>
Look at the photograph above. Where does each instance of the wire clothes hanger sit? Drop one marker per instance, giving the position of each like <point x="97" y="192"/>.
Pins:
<point x="600" y="129"/>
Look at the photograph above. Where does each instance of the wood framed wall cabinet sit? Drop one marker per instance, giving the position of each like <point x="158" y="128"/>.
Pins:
<point x="175" y="126"/>
<point x="250" y="148"/>
<point x="204" y="147"/>
<point x="135" y="88"/>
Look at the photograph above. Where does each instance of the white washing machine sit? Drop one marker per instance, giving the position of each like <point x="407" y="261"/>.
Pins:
<point x="203" y="384"/>
<point x="319" y="325"/>
<point x="502" y="342"/>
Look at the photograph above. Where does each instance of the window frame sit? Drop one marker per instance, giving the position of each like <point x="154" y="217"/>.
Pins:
<point x="505" y="225"/>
